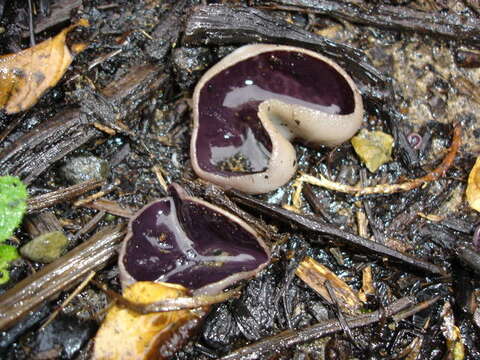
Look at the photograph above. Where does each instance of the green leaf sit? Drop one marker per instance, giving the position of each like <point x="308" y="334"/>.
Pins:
<point x="8" y="253"/>
<point x="13" y="204"/>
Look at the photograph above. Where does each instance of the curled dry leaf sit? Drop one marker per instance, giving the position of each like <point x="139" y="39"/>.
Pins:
<point x="26" y="75"/>
<point x="125" y="334"/>
<point x="473" y="187"/>
<point x="373" y="147"/>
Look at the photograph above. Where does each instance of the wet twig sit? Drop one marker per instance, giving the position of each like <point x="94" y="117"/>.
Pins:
<point x="290" y="338"/>
<point x="468" y="256"/>
<point x="34" y="152"/>
<point x="438" y="23"/>
<point x="89" y="225"/>
<point x="415" y="309"/>
<point x="55" y="197"/>
<point x="77" y="291"/>
<point x="173" y="304"/>
<point x="68" y="270"/>
<point x="30" y="23"/>
<point x="310" y="223"/>
<point x="111" y="207"/>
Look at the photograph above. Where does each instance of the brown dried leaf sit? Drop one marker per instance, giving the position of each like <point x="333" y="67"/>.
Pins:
<point x="473" y="187"/>
<point x="125" y="334"/>
<point x="315" y="275"/>
<point x="26" y="75"/>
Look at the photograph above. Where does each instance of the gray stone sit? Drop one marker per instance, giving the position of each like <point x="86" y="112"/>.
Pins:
<point x="84" y="168"/>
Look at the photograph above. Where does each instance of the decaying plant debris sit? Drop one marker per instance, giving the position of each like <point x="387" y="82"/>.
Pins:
<point x="413" y="255"/>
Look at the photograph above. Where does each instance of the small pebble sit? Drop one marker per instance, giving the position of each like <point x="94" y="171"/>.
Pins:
<point x="84" y="168"/>
<point x="45" y="248"/>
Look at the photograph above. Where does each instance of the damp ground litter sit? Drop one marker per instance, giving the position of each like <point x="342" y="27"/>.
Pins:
<point x="392" y="272"/>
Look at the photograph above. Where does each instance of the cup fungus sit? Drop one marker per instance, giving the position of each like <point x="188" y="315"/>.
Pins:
<point x="249" y="106"/>
<point x="176" y="246"/>
<point x="187" y="241"/>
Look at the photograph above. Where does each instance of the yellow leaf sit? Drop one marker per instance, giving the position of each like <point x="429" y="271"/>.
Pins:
<point x="473" y="187"/>
<point x="373" y="147"/>
<point x="315" y="275"/>
<point x="26" y="75"/>
<point x="367" y="284"/>
<point x="125" y="334"/>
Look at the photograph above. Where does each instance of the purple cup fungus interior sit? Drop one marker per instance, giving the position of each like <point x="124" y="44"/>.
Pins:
<point x="182" y="240"/>
<point x="231" y="139"/>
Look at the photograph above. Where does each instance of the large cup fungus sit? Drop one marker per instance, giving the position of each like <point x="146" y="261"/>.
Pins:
<point x="176" y="248"/>
<point x="249" y="106"/>
<point x="187" y="241"/>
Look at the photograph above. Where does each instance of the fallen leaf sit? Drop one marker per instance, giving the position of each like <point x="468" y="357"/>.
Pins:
<point x="367" y="284"/>
<point x="26" y="75"/>
<point x="315" y="275"/>
<point x="8" y="253"/>
<point x="125" y="334"/>
<point x="473" y="187"/>
<point x="373" y="147"/>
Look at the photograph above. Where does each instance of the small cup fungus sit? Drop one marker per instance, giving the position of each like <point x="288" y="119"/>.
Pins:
<point x="187" y="241"/>
<point x="249" y="106"/>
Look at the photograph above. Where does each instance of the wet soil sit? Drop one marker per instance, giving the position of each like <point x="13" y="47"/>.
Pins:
<point x="126" y="100"/>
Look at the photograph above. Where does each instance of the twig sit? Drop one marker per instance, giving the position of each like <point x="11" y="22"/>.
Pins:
<point x="58" y="196"/>
<point x="11" y="126"/>
<point x="63" y="273"/>
<point x="97" y="61"/>
<point x="290" y="338"/>
<point x="79" y="288"/>
<point x="179" y="303"/>
<point x="157" y="169"/>
<point x="30" y="23"/>
<point x="317" y="225"/>
<point x="468" y="256"/>
<point x="89" y="225"/>
<point x="341" y="319"/>
<point x="415" y="309"/>
<point x="385" y="188"/>
<point x="110" y="207"/>
<point x="446" y="24"/>
<point x="93" y="197"/>
<point x="314" y="202"/>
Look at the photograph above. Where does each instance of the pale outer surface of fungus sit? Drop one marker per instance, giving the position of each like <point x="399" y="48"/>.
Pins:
<point x="282" y="121"/>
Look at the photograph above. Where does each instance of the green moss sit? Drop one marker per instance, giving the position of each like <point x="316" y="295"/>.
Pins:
<point x="13" y="204"/>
